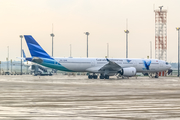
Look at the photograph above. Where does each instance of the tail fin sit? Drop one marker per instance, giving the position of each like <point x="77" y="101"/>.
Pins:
<point x="35" y="49"/>
<point x="24" y="56"/>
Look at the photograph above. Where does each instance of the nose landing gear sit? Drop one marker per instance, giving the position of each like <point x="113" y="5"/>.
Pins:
<point x="156" y="75"/>
<point x="153" y="75"/>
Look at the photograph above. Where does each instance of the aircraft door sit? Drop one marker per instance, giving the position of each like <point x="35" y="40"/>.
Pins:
<point x="161" y="64"/>
<point x="135" y="63"/>
<point x="93" y="63"/>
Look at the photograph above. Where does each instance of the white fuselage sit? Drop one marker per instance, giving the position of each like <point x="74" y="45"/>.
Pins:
<point x="94" y="64"/>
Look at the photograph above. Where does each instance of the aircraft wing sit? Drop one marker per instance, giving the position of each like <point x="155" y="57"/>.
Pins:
<point x="111" y="66"/>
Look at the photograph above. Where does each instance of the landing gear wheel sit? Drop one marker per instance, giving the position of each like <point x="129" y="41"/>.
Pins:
<point x="101" y="77"/>
<point x="106" y="76"/>
<point x="90" y="76"/>
<point x="156" y="76"/>
<point x="95" y="76"/>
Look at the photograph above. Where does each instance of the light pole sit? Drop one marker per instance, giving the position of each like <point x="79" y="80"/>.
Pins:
<point x="52" y="35"/>
<point x="87" y="33"/>
<point x="178" y="28"/>
<point x="127" y="32"/>
<point x="21" y="52"/>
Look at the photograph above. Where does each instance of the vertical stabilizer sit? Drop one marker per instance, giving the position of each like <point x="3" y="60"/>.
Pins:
<point x="35" y="49"/>
<point x="24" y="56"/>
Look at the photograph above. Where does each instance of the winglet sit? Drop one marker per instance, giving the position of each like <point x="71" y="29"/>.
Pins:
<point x="107" y="59"/>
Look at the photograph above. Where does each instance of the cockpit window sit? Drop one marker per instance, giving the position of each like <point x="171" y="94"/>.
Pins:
<point x="166" y="63"/>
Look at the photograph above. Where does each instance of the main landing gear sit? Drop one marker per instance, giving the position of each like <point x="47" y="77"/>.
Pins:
<point x="101" y="76"/>
<point x="104" y="76"/>
<point x="153" y="75"/>
<point x="92" y="76"/>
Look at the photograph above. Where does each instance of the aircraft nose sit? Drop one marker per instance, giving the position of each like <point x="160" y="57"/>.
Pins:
<point x="169" y="66"/>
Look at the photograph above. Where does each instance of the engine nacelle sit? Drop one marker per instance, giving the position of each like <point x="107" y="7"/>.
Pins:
<point x="128" y="72"/>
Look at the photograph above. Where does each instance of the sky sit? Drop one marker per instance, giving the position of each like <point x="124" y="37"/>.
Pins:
<point x="105" y="20"/>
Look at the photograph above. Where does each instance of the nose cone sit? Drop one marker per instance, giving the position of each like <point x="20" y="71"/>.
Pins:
<point x="169" y="66"/>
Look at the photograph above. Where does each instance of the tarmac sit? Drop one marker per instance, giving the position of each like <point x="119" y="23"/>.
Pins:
<point x="78" y="98"/>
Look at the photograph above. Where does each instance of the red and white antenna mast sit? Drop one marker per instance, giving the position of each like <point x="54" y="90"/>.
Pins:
<point x="161" y="34"/>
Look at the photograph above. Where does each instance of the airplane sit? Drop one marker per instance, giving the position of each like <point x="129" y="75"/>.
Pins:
<point x="25" y="62"/>
<point x="123" y="67"/>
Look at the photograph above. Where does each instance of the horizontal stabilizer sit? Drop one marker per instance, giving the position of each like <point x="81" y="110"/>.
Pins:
<point x="20" y="58"/>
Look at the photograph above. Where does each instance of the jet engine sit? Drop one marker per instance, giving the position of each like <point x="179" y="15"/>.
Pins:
<point x="128" y="72"/>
